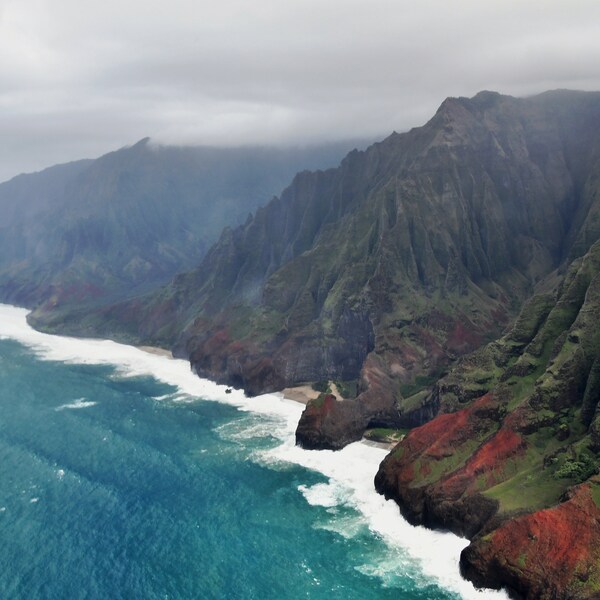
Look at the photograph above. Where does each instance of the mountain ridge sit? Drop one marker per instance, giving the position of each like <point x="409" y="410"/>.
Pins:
<point x="511" y="460"/>
<point x="99" y="230"/>
<point x="386" y="269"/>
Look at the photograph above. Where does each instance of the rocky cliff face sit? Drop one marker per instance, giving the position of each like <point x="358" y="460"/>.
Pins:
<point x="386" y="269"/>
<point x="513" y="460"/>
<point x="548" y="554"/>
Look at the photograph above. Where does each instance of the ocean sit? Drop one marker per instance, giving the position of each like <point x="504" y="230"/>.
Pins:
<point x="123" y="475"/>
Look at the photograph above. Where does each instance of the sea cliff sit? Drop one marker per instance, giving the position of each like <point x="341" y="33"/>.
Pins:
<point x="512" y="461"/>
<point x="387" y="269"/>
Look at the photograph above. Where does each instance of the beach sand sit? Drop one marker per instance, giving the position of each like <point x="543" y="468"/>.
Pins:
<point x="382" y="445"/>
<point x="156" y="350"/>
<point x="301" y="393"/>
<point x="304" y="393"/>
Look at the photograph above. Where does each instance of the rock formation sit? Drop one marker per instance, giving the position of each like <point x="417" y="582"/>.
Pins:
<point x="399" y="271"/>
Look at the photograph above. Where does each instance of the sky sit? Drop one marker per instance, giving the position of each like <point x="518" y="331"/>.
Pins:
<point x="79" y="78"/>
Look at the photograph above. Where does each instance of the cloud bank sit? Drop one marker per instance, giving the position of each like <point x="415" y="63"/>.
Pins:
<point x="81" y="78"/>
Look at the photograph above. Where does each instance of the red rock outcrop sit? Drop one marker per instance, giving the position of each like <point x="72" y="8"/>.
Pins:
<point x="550" y="554"/>
<point x="437" y="474"/>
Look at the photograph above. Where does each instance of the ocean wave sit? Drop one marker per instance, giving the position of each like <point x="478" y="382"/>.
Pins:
<point x="347" y="526"/>
<point x="262" y="430"/>
<point x="76" y="404"/>
<point x="325" y="494"/>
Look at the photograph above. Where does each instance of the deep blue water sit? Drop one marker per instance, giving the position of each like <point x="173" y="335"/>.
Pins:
<point x="108" y="492"/>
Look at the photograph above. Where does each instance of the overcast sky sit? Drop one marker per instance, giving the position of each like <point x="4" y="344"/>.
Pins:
<point x="79" y="78"/>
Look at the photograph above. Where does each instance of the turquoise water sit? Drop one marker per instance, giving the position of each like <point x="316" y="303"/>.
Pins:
<point x="117" y="485"/>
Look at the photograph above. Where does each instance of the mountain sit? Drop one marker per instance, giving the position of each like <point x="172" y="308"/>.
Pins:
<point x="97" y="231"/>
<point x="512" y="459"/>
<point x="382" y="272"/>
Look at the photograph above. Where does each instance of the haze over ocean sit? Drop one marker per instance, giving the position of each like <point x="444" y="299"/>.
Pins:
<point x="123" y="475"/>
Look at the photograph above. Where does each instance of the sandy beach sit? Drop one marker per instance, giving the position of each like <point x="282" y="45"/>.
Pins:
<point x="301" y="393"/>
<point x="157" y="351"/>
<point x="304" y="393"/>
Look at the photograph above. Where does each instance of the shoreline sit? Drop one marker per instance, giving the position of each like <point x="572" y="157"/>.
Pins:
<point x="383" y="445"/>
<point x="349" y="471"/>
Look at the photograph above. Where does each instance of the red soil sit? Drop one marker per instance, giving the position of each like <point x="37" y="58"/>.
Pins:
<point x="444" y="436"/>
<point x="437" y="440"/>
<point x="236" y="347"/>
<point x="552" y="551"/>
<point x="218" y="341"/>
<point x="440" y="437"/>
<point x="322" y="409"/>
<point x="464" y="337"/>
<point x="489" y="460"/>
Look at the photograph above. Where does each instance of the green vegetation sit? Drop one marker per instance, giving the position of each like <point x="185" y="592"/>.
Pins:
<point x="531" y="488"/>
<point x="347" y="389"/>
<point x="319" y="400"/>
<point x="539" y="479"/>
<point x="415" y="401"/>
<point x="431" y="471"/>
<point x="578" y="470"/>
<point x="321" y="386"/>
<point x="522" y="387"/>
<point x="420" y="382"/>
<point x="385" y="435"/>
<point x="595" y="489"/>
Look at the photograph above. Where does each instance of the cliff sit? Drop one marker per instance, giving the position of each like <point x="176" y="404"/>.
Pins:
<point x="512" y="461"/>
<point x="397" y="274"/>
<point x="386" y="269"/>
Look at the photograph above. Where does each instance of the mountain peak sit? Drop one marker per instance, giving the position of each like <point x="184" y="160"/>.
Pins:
<point x="143" y="142"/>
<point x="483" y="100"/>
<point x="487" y="98"/>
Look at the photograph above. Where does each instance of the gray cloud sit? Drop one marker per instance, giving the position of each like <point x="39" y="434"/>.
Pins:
<point x="81" y="78"/>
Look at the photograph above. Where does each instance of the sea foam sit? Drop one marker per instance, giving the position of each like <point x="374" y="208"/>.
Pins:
<point x="76" y="404"/>
<point x="350" y="471"/>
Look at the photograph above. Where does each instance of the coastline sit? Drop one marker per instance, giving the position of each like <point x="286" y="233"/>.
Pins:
<point x="349" y="471"/>
<point x="382" y="445"/>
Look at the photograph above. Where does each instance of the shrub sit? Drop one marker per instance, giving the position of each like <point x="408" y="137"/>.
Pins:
<point x="579" y="470"/>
